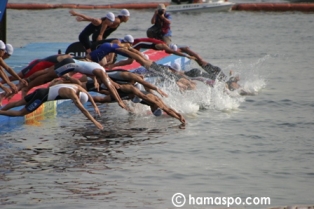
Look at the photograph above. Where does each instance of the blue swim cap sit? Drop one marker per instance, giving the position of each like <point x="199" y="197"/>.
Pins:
<point x="140" y="70"/>
<point x="158" y="112"/>
<point x="136" y="99"/>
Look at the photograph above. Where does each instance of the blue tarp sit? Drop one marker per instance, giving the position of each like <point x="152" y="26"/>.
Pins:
<point x="3" y="5"/>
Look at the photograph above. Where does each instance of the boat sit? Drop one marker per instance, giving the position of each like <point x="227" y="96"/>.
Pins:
<point x="54" y="108"/>
<point x="204" y="6"/>
<point x="301" y="1"/>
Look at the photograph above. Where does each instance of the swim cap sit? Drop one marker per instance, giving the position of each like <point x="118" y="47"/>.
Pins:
<point x="173" y="47"/>
<point x="83" y="97"/>
<point x="145" y="56"/>
<point x="9" y="49"/>
<point x="138" y="86"/>
<point x="158" y="112"/>
<point x="110" y="16"/>
<point x="136" y="99"/>
<point x="124" y="12"/>
<point x="129" y="39"/>
<point x="140" y="70"/>
<point x="176" y="66"/>
<point x="2" y="45"/>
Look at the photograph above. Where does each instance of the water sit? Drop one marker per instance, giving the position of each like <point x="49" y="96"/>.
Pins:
<point x="258" y="146"/>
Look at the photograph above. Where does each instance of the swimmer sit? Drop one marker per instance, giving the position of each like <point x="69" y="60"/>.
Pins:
<point x="70" y="65"/>
<point x="56" y="92"/>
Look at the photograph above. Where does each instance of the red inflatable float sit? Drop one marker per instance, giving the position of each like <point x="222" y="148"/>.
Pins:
<point x="275" y="7"/>
<point x="271" y="7"/>
<point x="34" y="6"/>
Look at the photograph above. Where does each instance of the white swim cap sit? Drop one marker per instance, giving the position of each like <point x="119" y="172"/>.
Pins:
<point x="124" y="12"/>
<point x="9" y="49"/>
<point x="110" y="16"/>
<point x="2" y="45"/>
<point x="173" y="47"/>
<point x="158" y="112"/>
<point x="83" y="97"/>
<point x="129" y="39"/>
<point x="138" y="86"/>
<point x="176" y="66"/>
<point x="145" y="56"/>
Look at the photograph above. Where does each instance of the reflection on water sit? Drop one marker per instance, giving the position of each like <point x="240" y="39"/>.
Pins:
<point x="73" y="159"/>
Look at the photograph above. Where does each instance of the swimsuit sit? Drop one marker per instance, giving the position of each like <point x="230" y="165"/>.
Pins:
<point x="40" y="96"/>
<point x="39" y="64"/>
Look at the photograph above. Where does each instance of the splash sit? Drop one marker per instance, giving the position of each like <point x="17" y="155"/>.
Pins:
<point x="204" y="97"/>
<point x="217" y="97"/>
<point x="251" y="74"/>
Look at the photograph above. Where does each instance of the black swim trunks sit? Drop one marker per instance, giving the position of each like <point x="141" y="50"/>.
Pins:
<point x="35" y="99"/>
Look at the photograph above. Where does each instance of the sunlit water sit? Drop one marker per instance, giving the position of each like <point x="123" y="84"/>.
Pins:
<point x="234" y="146"/>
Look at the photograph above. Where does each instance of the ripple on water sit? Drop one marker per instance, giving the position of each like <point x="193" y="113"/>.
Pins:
<point x="76" y="167"/>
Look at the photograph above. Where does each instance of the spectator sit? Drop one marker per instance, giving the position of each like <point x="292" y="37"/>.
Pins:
<point x="161" y="28"/>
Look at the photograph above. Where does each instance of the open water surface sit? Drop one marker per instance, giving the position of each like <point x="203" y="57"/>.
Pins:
<point x="254" y="146"/>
